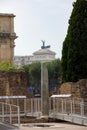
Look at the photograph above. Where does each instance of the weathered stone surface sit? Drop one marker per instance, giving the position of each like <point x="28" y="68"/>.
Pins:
<point x="13" y="83"/>
<point x="44" y="90"/>
<point x="66" y="88"/>
<point x="77" y="90"/>
<point x="7" y="37"/>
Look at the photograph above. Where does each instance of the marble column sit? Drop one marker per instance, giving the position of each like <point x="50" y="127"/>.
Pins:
<point x="44" y="90"/>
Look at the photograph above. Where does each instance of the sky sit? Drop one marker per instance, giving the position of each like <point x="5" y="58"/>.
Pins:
<point x="38" y="20"/>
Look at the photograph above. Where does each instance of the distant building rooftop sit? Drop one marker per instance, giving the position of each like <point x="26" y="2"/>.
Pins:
<point x="44" y="51"/>
<point x="42" y="55"/>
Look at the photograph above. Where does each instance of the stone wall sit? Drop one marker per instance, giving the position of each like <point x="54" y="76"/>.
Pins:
<point x="13" y="83"/>
<point x="77" y="90"/>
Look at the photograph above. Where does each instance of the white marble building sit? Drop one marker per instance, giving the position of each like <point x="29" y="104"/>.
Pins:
<point x="42" y="55"/>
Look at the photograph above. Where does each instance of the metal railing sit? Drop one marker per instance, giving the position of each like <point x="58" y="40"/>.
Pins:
<point x="10" y="114"/>
<point x="32" y="107"/>
<point x="67" y="106"/>
<point x="27" y="105"/>
<point x="60" y="105"/>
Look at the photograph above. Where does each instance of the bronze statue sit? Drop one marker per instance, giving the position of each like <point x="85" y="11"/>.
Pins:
<point x="43" y="46"/>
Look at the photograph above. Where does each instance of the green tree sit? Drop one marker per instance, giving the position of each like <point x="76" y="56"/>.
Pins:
<point x="54" y="68"/>
<point x="25" y="68"/>
<point x="35" y="73"/>
<point x="74" y="52"/>
<point x="54" y="72"/>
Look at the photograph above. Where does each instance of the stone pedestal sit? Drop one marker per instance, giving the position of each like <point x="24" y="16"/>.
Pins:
<point x="44" y="90"/>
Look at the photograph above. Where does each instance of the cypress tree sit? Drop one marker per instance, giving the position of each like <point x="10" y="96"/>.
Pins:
<point x="74" y="51"/>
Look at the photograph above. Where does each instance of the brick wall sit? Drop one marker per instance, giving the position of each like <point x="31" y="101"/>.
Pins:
<point x="13" y="83"/>
<point x="78" y="89"/>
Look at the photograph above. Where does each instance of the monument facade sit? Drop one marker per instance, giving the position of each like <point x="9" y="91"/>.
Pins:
<point x="42" y="55"/>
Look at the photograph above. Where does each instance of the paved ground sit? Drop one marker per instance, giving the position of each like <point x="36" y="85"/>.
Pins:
<point x="51" y="126"/>
<point x="47" y="126"/>
<point x="4" y="128"/>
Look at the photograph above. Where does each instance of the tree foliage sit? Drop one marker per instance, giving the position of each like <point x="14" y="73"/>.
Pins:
<point x="34" y="70"/>
<point x="54" y="68"/>
<point x="54" y="74"/>
<point x="35" y="73"/>
<point x="74" y="52"/>
<point x="7" y="66"/>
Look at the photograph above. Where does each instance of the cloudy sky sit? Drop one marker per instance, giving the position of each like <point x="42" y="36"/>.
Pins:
<point x="38" y="20"/>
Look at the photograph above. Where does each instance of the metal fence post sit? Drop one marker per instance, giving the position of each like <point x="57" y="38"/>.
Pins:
<point x="38" y="105"/>
<point x="62" y="106"/>
<point x="25" y="111"/>
<point x="31" y="106"/>
<point x="82" y="108"/>
<point x="73" y="110"/>
<point x="53" y="105"/>
<point x="71" y="107"/>
<point x="10" y="114"/>
<point x="18" y="116"/>
<point x="2" y="112"/>
<point x="50" y="109"/>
